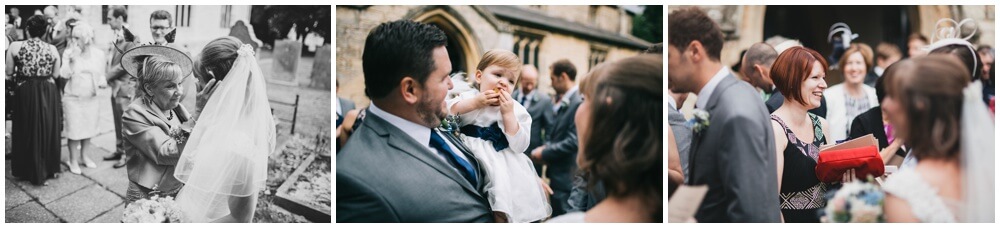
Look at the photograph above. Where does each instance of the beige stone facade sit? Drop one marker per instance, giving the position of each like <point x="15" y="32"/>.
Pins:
<point x="539" y="34"/>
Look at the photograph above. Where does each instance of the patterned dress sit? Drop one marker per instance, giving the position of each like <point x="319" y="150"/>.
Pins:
<point x="37" y="118"/>
<point x="801" y="192"/>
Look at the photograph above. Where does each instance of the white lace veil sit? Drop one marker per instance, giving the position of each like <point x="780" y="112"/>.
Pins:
<point x="226" y="155"/>
<point x="977" y="155"/>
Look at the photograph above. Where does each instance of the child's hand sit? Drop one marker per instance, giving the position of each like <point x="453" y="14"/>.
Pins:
<point x="488" y="98"/>
<point x="506" y="102"/>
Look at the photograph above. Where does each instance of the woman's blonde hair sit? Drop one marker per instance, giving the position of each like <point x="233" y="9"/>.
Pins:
<point x="155" y="71"/>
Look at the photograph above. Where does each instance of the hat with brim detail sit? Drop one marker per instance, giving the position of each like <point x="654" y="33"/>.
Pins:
<point x="133" y="59"/>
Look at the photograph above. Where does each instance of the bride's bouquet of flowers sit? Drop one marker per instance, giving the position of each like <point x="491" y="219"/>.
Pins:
<point x="856" y="202"/>
<point x="153" y="210"/>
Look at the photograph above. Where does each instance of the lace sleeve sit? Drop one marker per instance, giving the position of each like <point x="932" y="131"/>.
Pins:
<point x="924" y="201"/>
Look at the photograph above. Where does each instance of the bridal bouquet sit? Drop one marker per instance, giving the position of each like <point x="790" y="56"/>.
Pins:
<point x="856" y="202"/>
<point x="153" y="210"/>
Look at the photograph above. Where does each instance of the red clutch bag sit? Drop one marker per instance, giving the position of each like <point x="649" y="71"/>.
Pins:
<point x="864" y="160"/>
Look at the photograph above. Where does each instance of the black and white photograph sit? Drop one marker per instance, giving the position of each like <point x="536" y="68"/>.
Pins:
<point x="168" y="113"/>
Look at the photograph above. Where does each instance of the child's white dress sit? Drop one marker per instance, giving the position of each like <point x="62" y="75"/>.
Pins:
<point x="512" y="185"/>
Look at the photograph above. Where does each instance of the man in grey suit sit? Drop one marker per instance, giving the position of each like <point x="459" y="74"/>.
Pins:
<point x="538" y="104"/>
<point x="343" y="105"/>
<point x="397" y="167"/>
<point x="560" y="149"/>
<point x="733" y="154"/>
<point x="678" y="124"/>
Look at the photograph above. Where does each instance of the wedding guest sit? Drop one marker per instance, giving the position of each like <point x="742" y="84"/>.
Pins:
<point x="987" y="56"/>
<point x="801" y="73"/>
<point x="152" y="130"/>
<point x="915" y="45"/>
<point x="560" y="149"/>
<point x="885" y="54"/>
<point x="37" y="122"/>
<point x="539" y="105"/>
<point x="731" y="152"/>
<point x="406" y="71"/>
<point x="965" y="53"/>
<point x="757" y="67"/>
<point x="122" y="84"/>
<point x="83" y="66"/>
<point x="852" y="97"/>
<point x="15" y="18"/>
<point x="933" y="107"/>
<point x="679" y="127"/>
<point x="625" y="104"/>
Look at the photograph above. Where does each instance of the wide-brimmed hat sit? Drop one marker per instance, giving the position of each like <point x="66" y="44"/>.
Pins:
<point x="133" y="59"/>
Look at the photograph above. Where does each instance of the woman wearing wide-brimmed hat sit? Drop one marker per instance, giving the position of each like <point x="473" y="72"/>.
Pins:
<point x="151" y="127"/>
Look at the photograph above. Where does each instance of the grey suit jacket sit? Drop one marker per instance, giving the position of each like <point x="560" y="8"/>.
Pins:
<point x="734" y="156"/>
<point x="561" y="148"/>
<point x="383" y="175"/>
<point x="682" y="134"/>
<point x="541" y="114"/>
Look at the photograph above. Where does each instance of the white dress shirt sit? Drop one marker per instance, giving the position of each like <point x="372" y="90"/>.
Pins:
<point x="417" y="132"/>
<point x="706" y="91"/>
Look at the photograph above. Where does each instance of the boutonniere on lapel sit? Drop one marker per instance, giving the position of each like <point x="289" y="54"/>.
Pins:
<point x="449" y="125"/>
<point x="699" y="122"/>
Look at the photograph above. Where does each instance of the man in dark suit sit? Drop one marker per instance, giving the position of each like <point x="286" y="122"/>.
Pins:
<point x="538" y="104"/>
<point x="559" y="151"/>
<point x="397" y="166"/>
<point x="731" y="151"/>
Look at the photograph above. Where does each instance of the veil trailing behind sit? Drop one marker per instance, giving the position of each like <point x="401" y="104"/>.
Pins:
<point x="226" y="155"/>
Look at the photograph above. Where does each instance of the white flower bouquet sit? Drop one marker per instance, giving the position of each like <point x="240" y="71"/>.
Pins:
<point x="153" y="210"/>
<point x="856" y="202"/>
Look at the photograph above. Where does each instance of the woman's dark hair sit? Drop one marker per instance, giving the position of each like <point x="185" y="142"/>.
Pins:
<point x="929" y="90"/>
<point x="394" y="50"/>
<point x="626" y="107"/>
<point x="972" y="63"/>
<point x="217" y="57"/>
<point x="36" y="26"/>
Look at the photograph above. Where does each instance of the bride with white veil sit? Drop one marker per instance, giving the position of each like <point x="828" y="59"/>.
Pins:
<point x="224" y="164"/>
<point x="954" y="180"/>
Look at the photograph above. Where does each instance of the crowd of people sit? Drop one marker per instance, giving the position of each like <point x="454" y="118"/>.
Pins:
<point x="416" y="154"/>
<point x="755" y="143"/>
<point x="214" y="169"/>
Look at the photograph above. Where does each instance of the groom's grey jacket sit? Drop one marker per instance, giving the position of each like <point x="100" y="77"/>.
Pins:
<point x="735" y="157"/>
<point x="383" y="175"/>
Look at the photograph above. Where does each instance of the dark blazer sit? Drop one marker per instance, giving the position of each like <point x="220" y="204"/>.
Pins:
<point x="383" y="175"/>
<point x="778" y="99"/>
<point x="735" y="157"/>
<point x="870" y="122"/>
<point x="541" y="118"/>
<point x="560" y="154"/>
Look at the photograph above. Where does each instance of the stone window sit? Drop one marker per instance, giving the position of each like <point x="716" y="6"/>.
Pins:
<point x="597" y="55"/>
<point x="526" y="46"/>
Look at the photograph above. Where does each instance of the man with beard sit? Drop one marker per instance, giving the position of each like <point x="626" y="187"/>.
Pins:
<point x="397" y="167"/>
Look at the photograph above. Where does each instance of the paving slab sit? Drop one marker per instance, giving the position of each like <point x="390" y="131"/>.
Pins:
<point x="111" y="216"/>
<point x="84" y="205"/>
<point x="13" y="195"/>
<point x="65" y="184"/>
<point x="29" y="212"/>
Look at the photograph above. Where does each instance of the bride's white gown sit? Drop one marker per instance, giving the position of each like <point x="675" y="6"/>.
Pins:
<point x="226" y="155"/>
<point x="977" y="160"/>
<point x="925" y="204"/>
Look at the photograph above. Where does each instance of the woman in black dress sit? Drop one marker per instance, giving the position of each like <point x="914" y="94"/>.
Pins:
<point x="37" y="116"/>
<point x="800" y="74"/>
